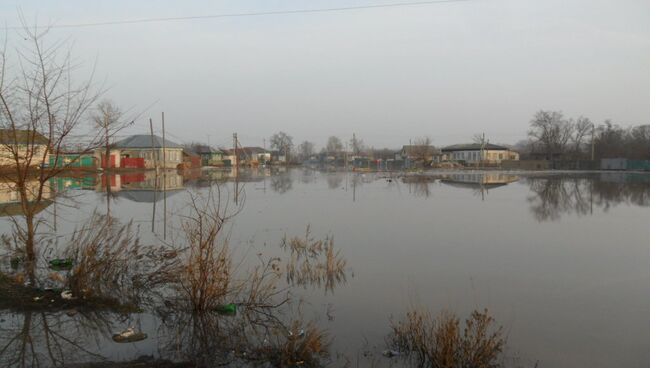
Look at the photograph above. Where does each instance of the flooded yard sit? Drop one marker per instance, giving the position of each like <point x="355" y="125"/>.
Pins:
<point x="560" y="260"/>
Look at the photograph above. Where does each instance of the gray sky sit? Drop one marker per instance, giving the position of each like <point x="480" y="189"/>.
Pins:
<point x="446" y="70"/>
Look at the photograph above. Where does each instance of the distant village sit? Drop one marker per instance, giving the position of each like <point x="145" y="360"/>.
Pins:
<point x="150" y="151"/>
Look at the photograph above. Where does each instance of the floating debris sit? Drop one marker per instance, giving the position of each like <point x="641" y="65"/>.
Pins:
<point x="390" y="353"/>
<point x="300" y="333"/>
<point x="61" y="264"/>
<point x="67" y="295"/>
<point x="129" y="335"/>
<point x="226" y="309"/>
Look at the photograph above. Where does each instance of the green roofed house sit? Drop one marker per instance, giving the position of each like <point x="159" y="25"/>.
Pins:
<point x="142" y="151"/>
<point x="209" y="156"/>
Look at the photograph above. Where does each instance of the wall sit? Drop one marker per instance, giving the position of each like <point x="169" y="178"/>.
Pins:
<point x="6" y="157"/>
<point x="174" y="156"/>
<point x="613" y="164"/>
<point x="490" y="156"/>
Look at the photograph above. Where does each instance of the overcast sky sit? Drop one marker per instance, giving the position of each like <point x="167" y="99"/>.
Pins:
<point x="447" y="70"/>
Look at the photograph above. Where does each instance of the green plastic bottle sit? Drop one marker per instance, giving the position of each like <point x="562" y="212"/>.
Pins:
<point x="61" y="264"/>
<point x="226" y="309"/>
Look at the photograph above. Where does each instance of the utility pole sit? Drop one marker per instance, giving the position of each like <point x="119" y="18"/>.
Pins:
<point x="164" y="184"/>
<point x="155" y="164"/>
<point x="234" y="144"/>
<point x="346" y="156"/>
<point x="482" y="149"/>
<point x="108" y="150"/>
<point x="153" y="153"/>
<point x="163" y="142"/>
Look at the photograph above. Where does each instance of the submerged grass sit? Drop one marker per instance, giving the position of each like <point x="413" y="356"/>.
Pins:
<point x="441" y="342"/>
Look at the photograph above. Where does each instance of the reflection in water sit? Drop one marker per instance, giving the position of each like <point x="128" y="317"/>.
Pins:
<point x="334" y="179"/>
<point x="552" y="196"/>
<point x="10" y="203"/>
<point x="479" y="182"/>
<point x="282" y="182"/>
<point x="45" y="338"/>
<point x="250" y="337"/>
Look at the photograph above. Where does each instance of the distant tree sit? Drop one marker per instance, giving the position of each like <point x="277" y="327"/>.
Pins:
<point x="523" y="146"/>
<point x="610" y="141"/>
<point x="356" y="145"/>
<point x="582" y="129"/>
<point x="551" y="132"/>
<point x="334" y="145"/>
<point x="306" y="149"/>
<point x="422" y="150"/>
<point x="639" y="142"/>
<point x="282" y="142"/>
<point x="480" y="139"/>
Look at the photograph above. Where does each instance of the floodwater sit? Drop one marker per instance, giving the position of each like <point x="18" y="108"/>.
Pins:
<point x="561" y="260"/>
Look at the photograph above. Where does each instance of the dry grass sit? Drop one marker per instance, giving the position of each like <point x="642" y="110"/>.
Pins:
<point x="110" y="261"/>
<point x="205" y="276"/>
<point x="441" y="342"/>
<point x="208" y="277"/>
<point x="298" y="346"/>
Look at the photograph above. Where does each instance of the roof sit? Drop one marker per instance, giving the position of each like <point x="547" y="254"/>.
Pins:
<point x="146" y="196"/>
<point x="247" y="151"/>
<point x="204" y="150"/>
<point x="22" y="137"/>
<point x="144" y="141"/>
<point x="408" y="149"/>
<point x="474" y="147"/>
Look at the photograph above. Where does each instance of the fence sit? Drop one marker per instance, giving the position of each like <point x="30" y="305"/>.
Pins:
<point x="132" y="163"/>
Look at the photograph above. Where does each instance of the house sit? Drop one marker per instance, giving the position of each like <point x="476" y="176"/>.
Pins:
<point x="28" y="144"/>
<point x="191" y="160"/>
<point x="142" y="151"/>
<point x="248" y="156"/>
<point x="475" y="152"/>
<point x="419" y="153"/>
<point x="209" y="156"/>
<point x="73" y="159"/>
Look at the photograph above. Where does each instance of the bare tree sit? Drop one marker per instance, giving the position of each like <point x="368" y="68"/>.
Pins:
<point x="334" y="145"/>
<point x="356" y="145"/>
<point x="306" y="149"/>
<point x="282" y="142"/>
<point x="40" y="108"/>
<point x="551" y="132"/>
<point x="583" y="128"/>
<point x="110" y="119"/>
<point x="422" y="150"/>
<point x="483" y="142"/>
<point x="480" y="139"/>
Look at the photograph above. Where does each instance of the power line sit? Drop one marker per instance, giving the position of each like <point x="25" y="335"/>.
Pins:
<point x="231" y="15"/>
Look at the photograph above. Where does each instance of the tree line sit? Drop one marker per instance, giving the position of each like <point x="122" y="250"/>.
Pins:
<point x="551" y="135"/>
